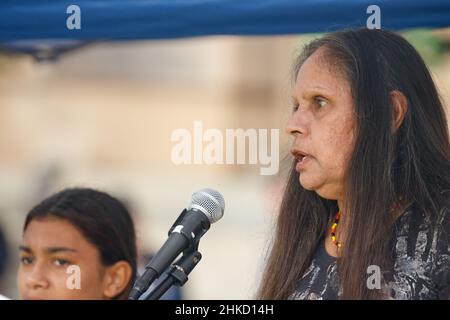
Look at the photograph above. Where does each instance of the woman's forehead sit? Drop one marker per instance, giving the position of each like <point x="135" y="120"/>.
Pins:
<point x="319" y="73"/>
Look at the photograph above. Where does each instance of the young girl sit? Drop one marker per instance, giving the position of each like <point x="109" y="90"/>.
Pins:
<point x="77" y="244"/>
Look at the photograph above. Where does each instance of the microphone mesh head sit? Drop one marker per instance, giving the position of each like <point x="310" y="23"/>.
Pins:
<point x="210" y="202"/>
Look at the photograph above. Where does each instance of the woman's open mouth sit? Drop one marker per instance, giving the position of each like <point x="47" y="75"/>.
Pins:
<point x="302" y="159"/>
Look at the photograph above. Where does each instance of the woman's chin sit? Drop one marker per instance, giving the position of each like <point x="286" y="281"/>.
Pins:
<point x="306" y="183"/>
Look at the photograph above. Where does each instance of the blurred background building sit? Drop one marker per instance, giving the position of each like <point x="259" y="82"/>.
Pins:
<point x="102" y="116"/>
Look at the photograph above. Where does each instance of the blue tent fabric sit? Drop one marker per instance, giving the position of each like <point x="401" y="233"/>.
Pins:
<point x="162" y="19"/>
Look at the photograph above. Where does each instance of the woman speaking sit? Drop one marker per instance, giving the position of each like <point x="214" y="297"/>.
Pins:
<point x="365" y="212"/>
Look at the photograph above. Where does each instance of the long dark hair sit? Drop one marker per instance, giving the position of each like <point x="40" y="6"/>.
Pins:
<point x="101" y="218"/>
<point x="413" y="163"/>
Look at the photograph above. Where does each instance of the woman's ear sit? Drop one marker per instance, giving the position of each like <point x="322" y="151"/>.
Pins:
<point x="117" y="278"/>
<point x="400" y="106"/>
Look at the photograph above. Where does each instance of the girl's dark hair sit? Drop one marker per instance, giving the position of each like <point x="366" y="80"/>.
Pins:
<point x="412" y="163"/>
<point x="101" y="218"/>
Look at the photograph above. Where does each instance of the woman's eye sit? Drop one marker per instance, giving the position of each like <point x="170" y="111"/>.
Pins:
<point x="294" y="108"/>
<point x="61" y="262"/>
<point x="26" y="260"/>
<point x="320" y="102"/>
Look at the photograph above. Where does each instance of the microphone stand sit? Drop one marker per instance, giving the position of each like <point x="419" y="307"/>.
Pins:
<point x="178" y="273"/>
<point x="149" y="276"/>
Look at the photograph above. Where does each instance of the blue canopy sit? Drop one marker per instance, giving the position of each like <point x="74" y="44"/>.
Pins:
<point x="160" y="19"/>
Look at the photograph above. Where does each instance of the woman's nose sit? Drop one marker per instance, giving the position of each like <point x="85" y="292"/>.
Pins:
<point x="297" y="123"/>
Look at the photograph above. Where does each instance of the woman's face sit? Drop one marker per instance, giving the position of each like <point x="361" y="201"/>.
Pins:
<point x="49" y="247"/>
<point x="323" y="126"/>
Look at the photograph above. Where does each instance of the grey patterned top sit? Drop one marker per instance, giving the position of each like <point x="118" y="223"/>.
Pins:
<point x="421" y="263"/>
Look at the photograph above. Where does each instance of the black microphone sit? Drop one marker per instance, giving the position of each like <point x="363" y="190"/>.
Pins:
<point x="206" y="207"/>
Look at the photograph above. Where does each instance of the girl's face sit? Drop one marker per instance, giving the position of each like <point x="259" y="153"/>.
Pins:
<point x="49" y="247"/>
<point x="323" y="126"/>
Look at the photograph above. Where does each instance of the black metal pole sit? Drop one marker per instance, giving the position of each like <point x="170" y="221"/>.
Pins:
<point x="178" y="274"/>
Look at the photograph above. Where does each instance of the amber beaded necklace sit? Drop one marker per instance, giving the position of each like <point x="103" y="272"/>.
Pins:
<point x="338" y="244"/>
<point x="333" y="230"/>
